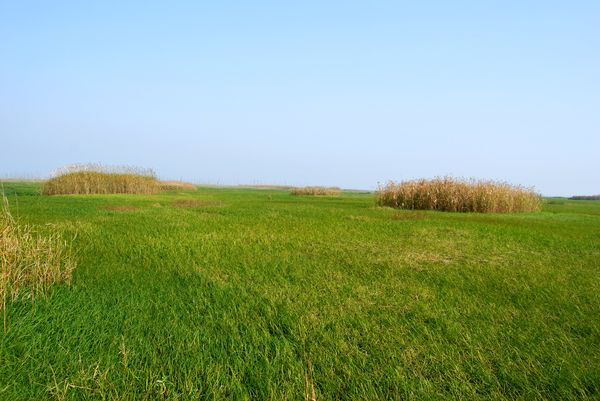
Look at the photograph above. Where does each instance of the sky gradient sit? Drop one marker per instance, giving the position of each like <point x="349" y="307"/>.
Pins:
<point x="305" y="93"/>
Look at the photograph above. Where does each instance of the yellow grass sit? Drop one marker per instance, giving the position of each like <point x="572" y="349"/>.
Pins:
<point x="459" y="195"/>
<point x="30" y="261"/>
<point x="169" y="185"/>
<point x="322" y="191"/>
<point x="96" y="179"/>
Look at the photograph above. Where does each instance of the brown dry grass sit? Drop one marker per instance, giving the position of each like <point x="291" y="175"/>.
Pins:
<point x="318" y="191"/>
<point x="458" y="195"/>
<point x="266" y="186"/>
<point x="97" y="182"/>
<point x="170" y="185"/>
<point x="30" y="261"/>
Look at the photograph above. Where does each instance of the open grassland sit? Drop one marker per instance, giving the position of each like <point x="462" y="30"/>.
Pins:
<point x="257" y="294"/>
<point x="457" y="195"/>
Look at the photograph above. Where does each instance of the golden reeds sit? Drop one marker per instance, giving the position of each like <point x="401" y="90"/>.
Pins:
<point x="320" y="191"/>
<point x="171" y="185"/>
<point x="459" y="195"/>
<point x="30" y="261"/>
<point x="97" y="179"/>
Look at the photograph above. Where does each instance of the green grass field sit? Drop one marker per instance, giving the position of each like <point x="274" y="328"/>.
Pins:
<point x="256" y="294"/>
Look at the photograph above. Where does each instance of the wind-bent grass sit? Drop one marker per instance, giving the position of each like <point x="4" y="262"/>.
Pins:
<point x="318" y="191"/>
<point x="96" y="179"/>
<point x="31" y="262"/>
<point x="258" y="295"/>
<point x="456" y="195"/>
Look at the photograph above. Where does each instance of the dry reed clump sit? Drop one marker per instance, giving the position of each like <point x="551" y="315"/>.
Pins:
<point x="30" y="261"/>
<point x="459" y="195"/>
<point x="170" y="185"/>
<point x="97" y="179"/>
<point x="320" y="191"/>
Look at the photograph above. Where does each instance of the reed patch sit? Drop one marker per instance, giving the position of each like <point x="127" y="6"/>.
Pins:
<point x="458" y="195"/>
<point x="176" y="185"/>
<point x="316" y="191"/>
<point x="97" y="179"/>
<point x="31" y="261"/>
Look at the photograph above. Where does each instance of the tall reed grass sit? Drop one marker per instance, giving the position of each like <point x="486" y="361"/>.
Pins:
<point x="459" y="195"/>
<point x="173" y="185"/>
<point x="322" y="191"/>
<point x="97" y="179"/>
<point x="31" y="261"/>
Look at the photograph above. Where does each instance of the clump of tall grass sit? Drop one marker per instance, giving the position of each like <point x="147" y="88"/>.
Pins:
<point x="172" y="185"/>
<point x="322" y="191"/>
<point x="459" y="195"/>
<point x="97" y="179"/>
<point x="31" y="261"/>
<point x="585" y="197"/>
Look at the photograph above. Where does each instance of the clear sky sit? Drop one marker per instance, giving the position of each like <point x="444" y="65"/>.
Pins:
<point x="347" y="93"/>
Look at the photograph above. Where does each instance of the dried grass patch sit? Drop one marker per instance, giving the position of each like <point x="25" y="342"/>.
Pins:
<point x="316" y="191"/>
<point x="458" y="195"/>
<point x="173" y="185"/>
<point x="31" y="261"/>
<point x="96" y="179"/>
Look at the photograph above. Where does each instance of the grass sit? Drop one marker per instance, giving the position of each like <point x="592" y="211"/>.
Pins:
<point x="316" y="191"/>
<point x="97" y="179"/>
<point x="256" y="294"/>
<point x="30" y="261"/>
<point x="457" y="195"/>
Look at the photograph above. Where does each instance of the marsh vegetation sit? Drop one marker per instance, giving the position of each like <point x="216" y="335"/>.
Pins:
<point x="240" y="293"/>
<point x="459" y="195"/>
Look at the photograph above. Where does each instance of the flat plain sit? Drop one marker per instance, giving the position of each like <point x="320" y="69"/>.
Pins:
<point x="225" y="293"/>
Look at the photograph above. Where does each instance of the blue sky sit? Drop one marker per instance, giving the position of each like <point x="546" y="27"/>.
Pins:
<point x="312" y="92"/>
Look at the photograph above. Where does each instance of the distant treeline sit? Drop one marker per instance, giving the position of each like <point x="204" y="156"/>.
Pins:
<point x="585" y="197"/>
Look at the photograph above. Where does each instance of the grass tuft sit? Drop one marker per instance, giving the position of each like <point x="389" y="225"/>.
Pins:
<point x="458" y="195"/>
<point x="316" y="191"/>
<point x="30" y="261"/>
<point x="96" y="179"/>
